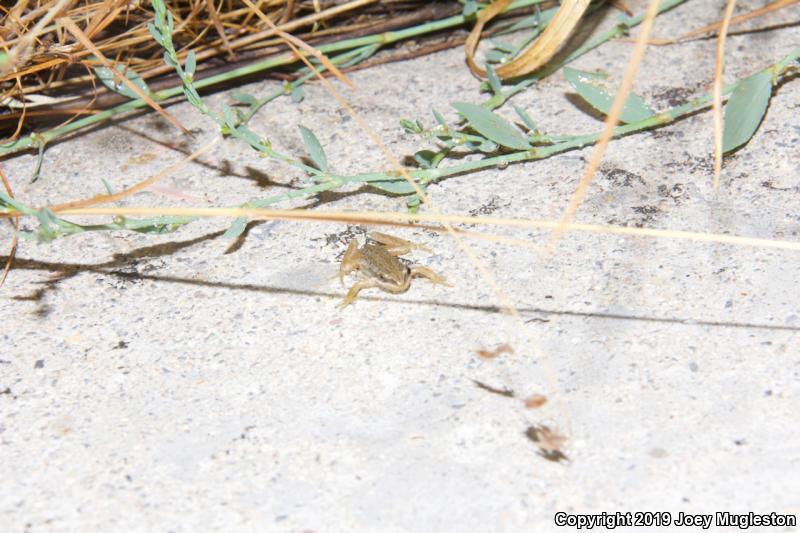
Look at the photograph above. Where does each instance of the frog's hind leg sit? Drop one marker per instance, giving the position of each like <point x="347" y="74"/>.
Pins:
<point x="349" y="261"/>
<point x="396" y="245"/>
<point x="424" y="272"/>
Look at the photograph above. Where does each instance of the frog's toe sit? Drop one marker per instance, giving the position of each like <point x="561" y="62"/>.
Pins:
<point x="349" y="299"/>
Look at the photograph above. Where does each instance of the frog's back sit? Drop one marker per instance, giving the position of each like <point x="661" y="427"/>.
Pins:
<point x="377" y="262"/>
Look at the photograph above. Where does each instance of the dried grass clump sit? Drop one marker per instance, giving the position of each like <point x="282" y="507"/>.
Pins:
<point x="47" y="71"/>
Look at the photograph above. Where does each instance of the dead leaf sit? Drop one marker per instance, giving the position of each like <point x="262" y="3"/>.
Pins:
<point x="508" y="393"/>
<point x="549" y="441"/>
<point x="534" y="401"/>
<point x="499" y="350"/>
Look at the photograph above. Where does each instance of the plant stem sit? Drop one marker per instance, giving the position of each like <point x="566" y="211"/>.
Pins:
<point x="576" y="141"/>
<point x="422" y="176"/>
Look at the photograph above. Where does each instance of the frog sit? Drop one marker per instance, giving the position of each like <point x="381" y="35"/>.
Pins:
<point x="379" y="265"/>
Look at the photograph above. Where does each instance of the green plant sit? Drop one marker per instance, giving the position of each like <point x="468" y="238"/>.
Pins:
<point x="483" y="132"/>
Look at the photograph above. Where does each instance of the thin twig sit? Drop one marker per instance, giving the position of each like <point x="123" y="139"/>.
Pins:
<point x="714" y="26"/>
<point x="212" y="11"/>
<point x="367" y="217"/>
<point x="14" y="239"/>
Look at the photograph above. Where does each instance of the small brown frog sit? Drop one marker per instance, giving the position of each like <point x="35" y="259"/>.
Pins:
<point x="379" y="266"/>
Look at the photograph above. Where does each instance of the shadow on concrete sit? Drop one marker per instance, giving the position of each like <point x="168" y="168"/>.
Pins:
<point x="121" y="265"/>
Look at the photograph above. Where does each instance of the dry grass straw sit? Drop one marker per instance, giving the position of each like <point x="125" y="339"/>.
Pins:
<point x="14" y="238"/>
<point x="409" y="220"/>
<point x="716" y="103"/>
<point x="48" y="50"/>
<point x="540" y="51"/>
<point x="81" y="37"/>
<point x="294" y="43"/>
<point x="715" y="26"/>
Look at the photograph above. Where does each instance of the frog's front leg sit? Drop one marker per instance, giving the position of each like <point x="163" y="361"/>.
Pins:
<point x="349" y="261"/>
<point x="352" y="294"/>
<point x="395" y="288"/>
<point x="424" y="272"/>
<point x="396" y="245"/>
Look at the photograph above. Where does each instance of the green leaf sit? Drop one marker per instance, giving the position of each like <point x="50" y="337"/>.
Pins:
<point x="155" y="33"/>
<point x="245" y="98"/>
<point x="504" y="47"/>
<point x="526" y="118"/>
<point x="492" y="126"/>
<point x="745" y="109"/>
<point x="495" y="56"/>
<point x="229" y="117"/>
<point x="409" y="126"/>
<point x="538" y="20"/>
<point x="314" y="148"/>
<point x="45" y="232"/>
<point x="9" y="202"/>
<point x="191" y="63"/>
<point x="439" y="118"/>
<point x="470" y="8"/>
<point x="298" y="93"/>
<point x="591" y="87"/>
<point x="159" y="7"/>
<point x="169" y="60"/>
<point x="193" y="98"/>
<point x="488" y="147"/>
<point x="494" y="80"/>
<point x="248" y="136"/>
<point x="413" y="202"/>
<point x="424" y="158"/>
<point x="429" y="159"/>
<point x="107" y="77"/>
<point x="236" y="229"/>
<point x="471" y="146"/>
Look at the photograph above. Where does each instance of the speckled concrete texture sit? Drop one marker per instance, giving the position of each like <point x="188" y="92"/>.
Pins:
<point x="185" y="382"/>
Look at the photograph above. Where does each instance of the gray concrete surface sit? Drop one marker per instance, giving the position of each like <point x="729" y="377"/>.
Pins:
<point x="179" y="383"/>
